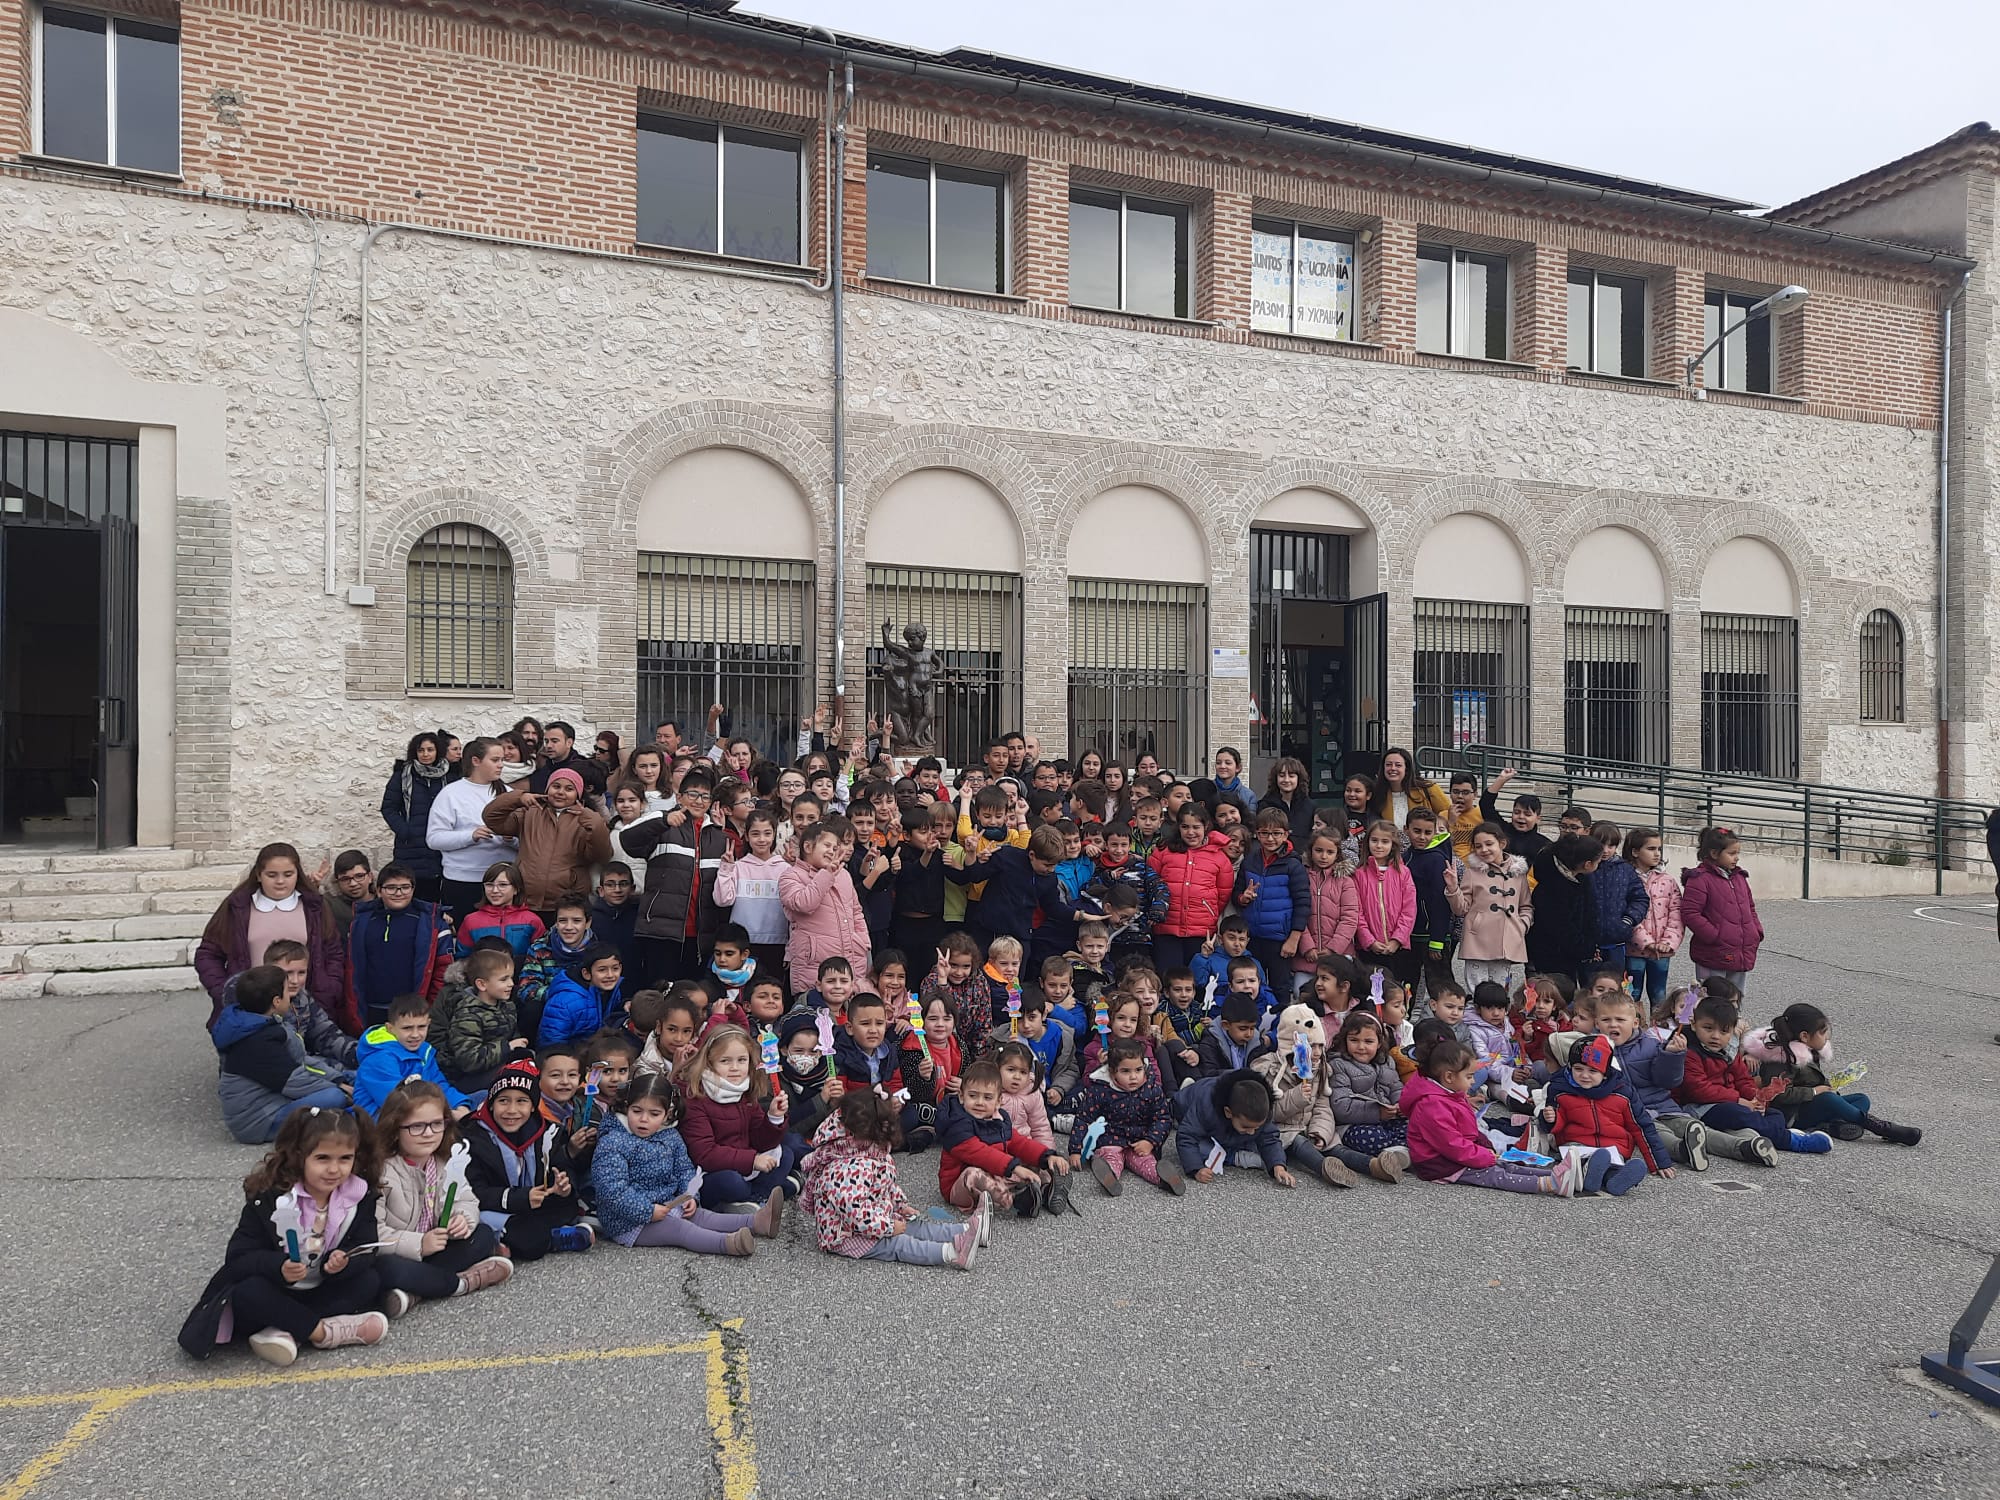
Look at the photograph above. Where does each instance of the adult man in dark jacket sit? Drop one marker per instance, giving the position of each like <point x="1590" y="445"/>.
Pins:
<point x="559" y="754"/>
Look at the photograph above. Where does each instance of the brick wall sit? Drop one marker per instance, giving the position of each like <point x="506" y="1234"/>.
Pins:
<point x="521" y="120"/>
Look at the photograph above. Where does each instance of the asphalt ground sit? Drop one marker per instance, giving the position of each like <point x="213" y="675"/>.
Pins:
<point x="1383" y="1342"/>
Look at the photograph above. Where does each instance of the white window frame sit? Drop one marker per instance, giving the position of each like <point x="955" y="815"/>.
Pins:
<point x="1299" y="227"/>
<point x="1124" y="250"/>
<point x="1006" y="223"/>
<point x="1596" y="365"/>
<point x="722" y="185"/>
<point x="111" y="19"/>
<point x="1715" y="364"/>
<point x="1455" y="329"/>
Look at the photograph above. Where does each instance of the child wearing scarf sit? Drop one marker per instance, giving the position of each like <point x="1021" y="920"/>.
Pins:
<point x="519" y="1169"/>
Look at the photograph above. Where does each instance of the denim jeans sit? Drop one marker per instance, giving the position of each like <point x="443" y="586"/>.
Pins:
<point x="1831" y="1109"/>
<point x="1651" y="974"/>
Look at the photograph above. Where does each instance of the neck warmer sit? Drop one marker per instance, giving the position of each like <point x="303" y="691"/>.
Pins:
<point x="721" y="1090"/>
<point x="734" y="978"/>
<point x="412" y="771"/>
<point x="515" y="770"/>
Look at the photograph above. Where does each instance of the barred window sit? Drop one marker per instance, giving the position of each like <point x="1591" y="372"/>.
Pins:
<point x="1471" y="673"/>
<point x="972" y="622"/>
<point x="1882" y="667"/>
<point x="461" y="611"/>
<point x="1750" y="694"/>
<point x="1615" y="684"/>
<point x="1137" y="678"/>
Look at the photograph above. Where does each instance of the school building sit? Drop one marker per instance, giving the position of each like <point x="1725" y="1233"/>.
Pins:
<point x="375" y="365"/>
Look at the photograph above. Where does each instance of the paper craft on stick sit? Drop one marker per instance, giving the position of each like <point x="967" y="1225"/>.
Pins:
<point x="767" y="1045"/>
<point x="588" y="1112"/>
<point x="823" y="1026"/>
<point x="1014" y="1011"/>
<point x="1216" y="1158"/>
<point x="1302" y="1055"/>
<point x="916" y="1009"/>
<point x="455" y="1168"/>
<point x="1091" y="1137"/>
<point x="1375" y="988"/>
<point x="1101" y="1019"/>
<point x="285" y="1219"/>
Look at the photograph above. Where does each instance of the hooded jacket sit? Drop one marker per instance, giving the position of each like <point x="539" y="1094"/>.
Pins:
<point x="1802" y="1068"/>
<point x="385" y="1063"/>
<point x="1303" y="1106"/>
<point x="1200" y="1125"/>
<point x="629" y="1176"/>
<point x="1333" y="915"/>
<point x="826" y="922"/>
<point x="1387" y="900"/>
<point x="1654" y="1073"/>
<point x="1621" y="898"/>
<point x="994" y="1146"/>
<point x="257" y="1253"/>
<point x="411" y="1198"/>
<point x="1130" y="1116"/>
<point x="852" y="1192"/>
<point x="682" y="863"/>
<point x="558" y="849"/>
<point x="1145" y="883"/>
<point x="261" y="1066"/>
<point x="1497" y="907"/>
<point x="549" y="957"/>
<point x="1600" y="1117"/>
<point x="1444" y="1134"/>
<point x="1199" y="883"/>
<point x="391" y="953"/>
<point x="577" y="1009"/>
<point x="1361" y="1091"/>
<point x="1714" y="1078"/>
<point x="1721" y="914"/>
<point x="224" y="952"/>
<point x="1564" y="935"/>
<point x="1433" y="921"/>
<point x="1283" y="897"/>
<point x="1660" y="931"/>
<point x="1054" y="1049"/>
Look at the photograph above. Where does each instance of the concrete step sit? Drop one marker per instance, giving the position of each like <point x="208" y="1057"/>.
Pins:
<point x="79" y="930"/>
<point x="183" y="902"/>
<point x="161" y="925"/>
<point x="238" y="860"/>
<point x="122" y="859"/>
<point x="61" y="958"/>
<point x="119" y="982"/>
<point x="75" y="908"/>
<point x="199" y="878"/>
<point x="92" y="883"/>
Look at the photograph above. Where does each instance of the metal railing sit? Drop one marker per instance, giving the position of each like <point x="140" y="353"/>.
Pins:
<point x="1806" y="820"/>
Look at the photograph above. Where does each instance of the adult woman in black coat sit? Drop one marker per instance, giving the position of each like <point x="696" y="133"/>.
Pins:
<point x="413" y="786"/>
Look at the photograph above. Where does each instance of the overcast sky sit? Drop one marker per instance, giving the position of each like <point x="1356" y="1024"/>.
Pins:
<point x="1765" y="100"/>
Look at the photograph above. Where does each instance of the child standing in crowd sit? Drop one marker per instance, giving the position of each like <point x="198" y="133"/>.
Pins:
<point x="824" y="911"/>
<point x="1275" y="897"/>
<point x="857" y="1204"/>
<point x="1720" y="912"/>
<point x="1488" y="890"/>
<point x="1333" y="910"/>
<point x="287" y="1277"/>
<point x="1563" y="939"/>
<point x="1386" y="897"/>
<point x="500" y="914"/>
<point x="396" y="945"/>
<point x="1657" y="937"/>
<point x="1428" y="858"/>
<point x="1621" y="896"/>
<point x="1199" y="878"/>
<point x="640" y="1179"/>
<point x="428" y="1256"/>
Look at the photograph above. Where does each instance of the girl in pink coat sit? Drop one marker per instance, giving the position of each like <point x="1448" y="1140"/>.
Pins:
<point x="1387" y="897"/>
<point x="1445" y="1141"/>
<point x="827" y="922"/>
<point x="1333" y="911"/>
<point x="1657" y="938"/>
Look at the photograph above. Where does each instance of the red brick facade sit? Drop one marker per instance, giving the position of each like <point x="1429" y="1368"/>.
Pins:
<point x="520" y="121"/>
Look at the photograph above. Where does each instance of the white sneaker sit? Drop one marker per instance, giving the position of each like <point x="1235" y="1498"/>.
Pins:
<point x="396" y="1303"/>
<point x="1695" y="1143"/>
<point x="965" y="1248"/>
<point x="983" y="1217"/>
<point x="274" y="1345"/>
<point x="1569" y="1175"/>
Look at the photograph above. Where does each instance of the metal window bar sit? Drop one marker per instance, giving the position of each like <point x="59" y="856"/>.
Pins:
<point x="1287" y="567"/>
<point x="50" y="480"/>
<point x="461" y="611"/>
<point x="1471" y="673"/>
<point x="1882" y="667"/>
<point x="973" y="622"/>
<point x="1137" y="678"/>
<point x="1750" y="694"/>
<point x="1615" y="683"/>
<point x="734" y="631"/>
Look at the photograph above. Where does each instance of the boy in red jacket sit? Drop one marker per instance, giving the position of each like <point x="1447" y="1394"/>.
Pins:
<point x="1587" y="1109"/>
<point x="984" y="1153"/>
<point x="1719" y="1089"/>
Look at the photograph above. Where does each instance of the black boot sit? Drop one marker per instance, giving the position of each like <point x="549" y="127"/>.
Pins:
<point x="1894" y="1134"/>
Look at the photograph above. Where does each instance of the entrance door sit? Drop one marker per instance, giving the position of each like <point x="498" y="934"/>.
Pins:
<point x="118" y="684"/>
<point x="1368" y="684"/>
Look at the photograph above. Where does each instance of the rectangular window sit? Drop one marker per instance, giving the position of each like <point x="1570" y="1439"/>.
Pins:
<point x="1471" y="673"/>
<point x="937" y="224"/>
<point x="110" y="91"/>
<point x="720" y="189"/>
<point x="727" y="630"/>
<point x="1301" y="280"/>
<point x="1750" y="695"/>
<point x="1128" y="254"/>
<point x="972" y="623"/>
<point x="1607" y="323"/>
<point x="1743" y="361"/>
<point x="1137" y="675"/>
<point x="1462" y="302"/>
<point x="1615" y="684"/>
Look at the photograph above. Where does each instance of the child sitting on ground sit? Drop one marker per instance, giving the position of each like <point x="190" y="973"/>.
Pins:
<point x="1716" y="1086"/>
<point x="1798" y="1047"/>
<point x="1003" y="984"/>
<point x="956" y="977"/>
<point x="555" y="953"/>
<point x="426" y="1256"/>
<point x="1136" y="1115"/>
<point x="1302" y="1111"/>
<point x="287" y="1277"/>
<point x="1232" y="1042"/>
<point x="1125" y="1017"/>
<point x="1486" y="1031"/>
<point x="1367" y="1097"/>
<point x="519" y="1169"/>
<point x="1654" y="1069"/>
<point x="480" y="1030"/>
<point x="641" y="1175"/>
<point x="1228" y="1118"/>
<point x="834" y="987"/>
<point x="858" y="1205"/>
<point x="398" y="1051"/>
<point x="1591" y="1119"/>
<point x="735" y="1125"/>
<point x="1047" y="1040"/>
<point x="1446" y="1143"/>
<point x="985" y="1153"/>
<point x="1058" y="991"/>
<point x="1091" y="972"/>
<point x="676" y="1018"/>
<point x="866" y="1056"/>
<point x="1211" y="966"/>
<point x="265" y="1074"/>
<point x="931" y="1064"/>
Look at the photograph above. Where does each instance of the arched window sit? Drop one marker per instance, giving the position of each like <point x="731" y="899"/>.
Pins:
<point x="461" y="611"/>
<point x="1882" y="667"/>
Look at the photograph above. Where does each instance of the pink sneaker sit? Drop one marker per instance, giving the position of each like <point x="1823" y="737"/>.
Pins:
<point x="491" y="1271"/>
<point x="965" y="1247"/>
<point x="356" y="1328"/>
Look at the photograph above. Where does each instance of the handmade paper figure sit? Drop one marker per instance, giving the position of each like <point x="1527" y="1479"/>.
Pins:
<point x="285" y="1219"/>
<point x="823" y="1025"/>
<point x="454" y="1178"/>
<point x="1302" y="1056"/>
<point x="587" y="1112"/>
<point x="916" y="1009"/>
<point x="1375" y="989"/>
<point x="767" y="1043"/>
<point x="1091" y="1137"/>
<point x="1101" y="1019"/>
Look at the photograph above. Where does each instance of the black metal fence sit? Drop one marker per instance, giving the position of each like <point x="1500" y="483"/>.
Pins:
<point x="461" y="611"/>
<point x="1750" y="694"/>
<point x="1137" y="670"/>
<point x="1471" y="673"/>
<point x="1615" y="683"/>
<point x="973" y="623"/>
<point x="734" y="631"/>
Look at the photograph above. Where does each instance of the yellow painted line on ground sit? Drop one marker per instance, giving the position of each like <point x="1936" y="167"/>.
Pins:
<point x="727" y="1371"/>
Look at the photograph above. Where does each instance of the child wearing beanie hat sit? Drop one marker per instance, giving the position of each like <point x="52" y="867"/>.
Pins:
<point x="1590" y="1116"/>
<point x="520" y="1169"/>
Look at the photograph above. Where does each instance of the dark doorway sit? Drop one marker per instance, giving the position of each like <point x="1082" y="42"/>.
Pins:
<point x="1319" y="689"/>
<point x="49" y="649"/>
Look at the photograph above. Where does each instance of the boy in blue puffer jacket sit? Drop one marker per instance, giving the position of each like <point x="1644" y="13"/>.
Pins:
<point x="585" y="998"/>
<point x="1620" y="894"/>
<point x="1274" y="896"/>
<point x="396" y="945"/>
<point x="397" y="1051"/>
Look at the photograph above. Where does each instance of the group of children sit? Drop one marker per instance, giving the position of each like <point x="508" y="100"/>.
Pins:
<point x="1125" y="998"/>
